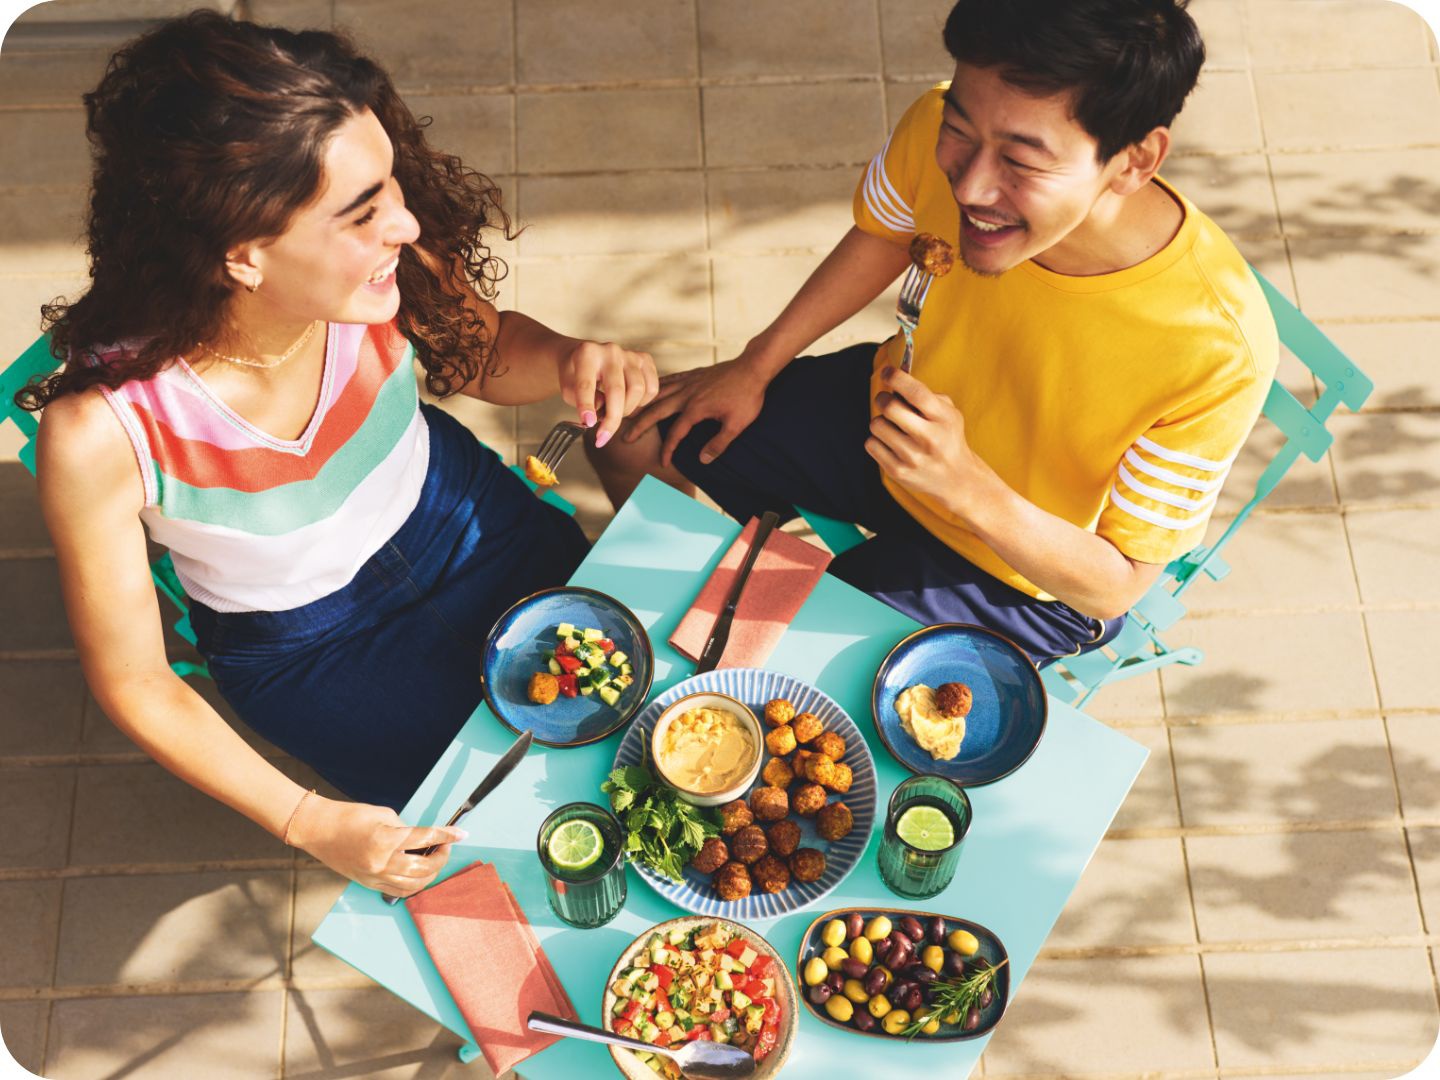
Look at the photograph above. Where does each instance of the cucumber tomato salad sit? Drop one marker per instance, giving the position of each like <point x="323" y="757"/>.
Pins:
<point x="585" y="661"/>
<point x="703" y="983"/>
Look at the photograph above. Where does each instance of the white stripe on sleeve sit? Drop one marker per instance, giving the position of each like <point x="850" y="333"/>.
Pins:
<point x="1178" y="479"/>
<point x="882" y="214"/>
<point x="1162" y="496"/>
<point x="1163" y="520"/>
<point x="1179" y="457"/>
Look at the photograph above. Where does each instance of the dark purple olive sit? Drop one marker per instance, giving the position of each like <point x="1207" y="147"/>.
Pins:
<point x="882" y="951"/>
<point x="835" y="981"/>
<point x="912" y="929"/>
<point x="920" y="973"/>
<point x="854" y="969"/>
<point x="854" y="925"/>
<point x="935" y="930"/>
<point x="863" y="1020"/>
<point x="954" y="964"/>
<point x="913" y="999"/>
<point x="980" y="962"/>
<point x="902" y="951"/>
<point x="972" y="1019"/>
<point x="986" y="998"/>
<point x="820" y="993"/>
<point x="874" y="982"/>
<point x="899" y="988"/>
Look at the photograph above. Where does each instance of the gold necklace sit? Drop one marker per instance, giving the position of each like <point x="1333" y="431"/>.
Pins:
<point x="245" y="361"/>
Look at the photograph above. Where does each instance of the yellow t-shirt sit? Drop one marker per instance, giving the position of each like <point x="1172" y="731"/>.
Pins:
<point x="1116" y="402"/>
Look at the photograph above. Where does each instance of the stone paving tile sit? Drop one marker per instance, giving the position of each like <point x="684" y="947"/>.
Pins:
<point x="780" y="211"/>
<point x="1233" y="190"/>
<point x="371" y="1033"/>
<point x="750" y="290"/>
<point x="1222" y="26"/>
<point x="1379" y="190"/>
<point x="316" y="890"/>
<point x="21" y="525"/>
<point x="1302" y="886"/>
<point x="1387" y="457"/>
<point x="562" y="41"/>
<point x="55" y="148"/>
<point x="1134" y="698"/>
<point x="1281" y="561"/>
<point x="35" y="810"/>
<point x="1399" y="357"/>
<point x="294" y="14"/>
<point x="830" y="124"/>
<point x="1131" y="1016"/>
<point x="608" y="130"/>
<point x="434" y="43"/>
<point x="1368" y="276"/>
<point x="50" y="77"/>
<point x="1151" y="802"/>
<point x="1270" y="663"/>
<point x="176" y="1037"/>
<point x="800" y="37"/>
<point x="1425" y="853"/>
<point x="1402" y="644"/>
<point x="1307" y="484"/>
<point x="142" y="814"/>
<point x="23" y="1025"/>
<point x="1338" y="33"/>
<point x="1415" y="748"/>
<point x="21" y="297"/>
<point x="477" y="128"/>
<point x="41" y="708"/>
<point x="1220" y="116"/>
<point x="658" y="213"/>
<point x="1134" y="892"/>
<point x="160" y="928"/>
<point x="1303" y="770"/>
<point x="911" y="38"/>
<point x="1279" y="1009"/>
<point x="635" y="301"/>
<point x="1396" y="557"/>
<point x="1317" y="110"/>
<point x="43" y="231"/>
<point x="29" y="926"/>
<point x="1271" y="256"/>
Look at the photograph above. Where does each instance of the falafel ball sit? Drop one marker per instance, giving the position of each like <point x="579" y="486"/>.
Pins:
<point x="779" y="712"/>
<point x="784" y="837"/>
<point x="807" y="864"/>
<point x="749" y="844"/>
<point x="953" y="699"/>
<point x="732" y="881"/>
<point x="820" y="769"/>
<point x="712" y="855"/>
<point x="769" y="803"/>
<point x="734" y="816"/>
<point x="777" y="773"/>
<point x="843" y="778"/>
<point x="834" y="822"/>
<point x="807" y="725"/>
<point x="797" y="763"/>
<point x="780" y="741"/>
<point x="544" y="688"/>
<point x="809" y="800"/>
<point x="830" y="744"/>
<point x="771" y="874"/>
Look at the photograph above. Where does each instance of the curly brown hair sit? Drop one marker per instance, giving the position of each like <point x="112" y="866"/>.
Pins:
<point x="208" y="132"/>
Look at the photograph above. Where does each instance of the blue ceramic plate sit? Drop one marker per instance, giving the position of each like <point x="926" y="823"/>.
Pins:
<point x="515" y="650"/>
<point x="1007" y="712"/>
<point x="755" y="687"/>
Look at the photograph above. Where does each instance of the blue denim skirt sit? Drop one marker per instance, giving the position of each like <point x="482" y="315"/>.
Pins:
<point x="369" y="684"/>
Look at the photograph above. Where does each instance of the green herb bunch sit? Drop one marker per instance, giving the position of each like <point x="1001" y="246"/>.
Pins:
<point x="954" y="996"/>
<point x="663" y="830"/>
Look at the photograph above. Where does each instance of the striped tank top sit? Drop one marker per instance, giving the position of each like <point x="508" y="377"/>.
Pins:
<point x="256" y="523"/>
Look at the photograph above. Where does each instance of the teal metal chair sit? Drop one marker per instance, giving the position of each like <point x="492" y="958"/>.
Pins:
<point x="37" y="360"/>
<point x="1139" y="647"/>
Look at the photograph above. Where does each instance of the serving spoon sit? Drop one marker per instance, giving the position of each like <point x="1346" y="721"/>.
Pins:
<point x="699" y="1060"/>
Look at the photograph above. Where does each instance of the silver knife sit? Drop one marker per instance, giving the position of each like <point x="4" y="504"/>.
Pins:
<point x="720" y="634"/>
<point x="498" y="772"/>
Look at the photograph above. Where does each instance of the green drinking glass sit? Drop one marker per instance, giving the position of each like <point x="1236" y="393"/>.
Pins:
<point x="581" y="848"/>
<point x="927" y="819"/>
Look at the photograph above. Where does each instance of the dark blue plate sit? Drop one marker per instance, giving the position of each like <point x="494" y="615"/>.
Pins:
<point x="515" y="650"/>
<point x="1007" y="713"/>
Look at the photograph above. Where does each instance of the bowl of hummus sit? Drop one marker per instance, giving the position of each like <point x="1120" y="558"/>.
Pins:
<point x="708" y="748"/>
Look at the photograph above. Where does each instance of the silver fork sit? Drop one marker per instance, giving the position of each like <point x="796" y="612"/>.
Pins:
<point x="914" y="287"/>
<point x="558" y="443"/>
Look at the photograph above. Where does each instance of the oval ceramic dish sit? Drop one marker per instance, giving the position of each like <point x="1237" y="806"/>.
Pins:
<point x="1008" y="705"/>
<point x="515" y="650"/>
<point x="990" y="948"/>
<point x="755" y="687"/>
<point x="788" y="999"/>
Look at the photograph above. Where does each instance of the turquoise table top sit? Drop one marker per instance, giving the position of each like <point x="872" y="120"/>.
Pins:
<point x="1033" y="832"/>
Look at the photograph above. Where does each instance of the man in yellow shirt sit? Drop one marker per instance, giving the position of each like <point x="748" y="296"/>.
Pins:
<point x="1082" y="380"/>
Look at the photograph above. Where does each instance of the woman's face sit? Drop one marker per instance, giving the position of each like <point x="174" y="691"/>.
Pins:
<point x="337" y="259"/>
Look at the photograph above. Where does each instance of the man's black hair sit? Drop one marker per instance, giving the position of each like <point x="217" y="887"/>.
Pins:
<point x="1129" y="63"/>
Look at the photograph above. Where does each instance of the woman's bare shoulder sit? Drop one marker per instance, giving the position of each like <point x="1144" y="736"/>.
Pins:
<point x="83" y="448"/>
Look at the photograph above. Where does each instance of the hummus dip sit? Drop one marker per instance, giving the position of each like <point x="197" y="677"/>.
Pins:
<point x="922" y="719"/>
<point x="706" y="750"/>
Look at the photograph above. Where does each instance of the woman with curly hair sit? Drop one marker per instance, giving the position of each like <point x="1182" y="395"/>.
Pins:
<point x="273" y="244"/>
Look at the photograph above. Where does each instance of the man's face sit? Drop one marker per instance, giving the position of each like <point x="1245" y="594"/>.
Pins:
<point x="1021" y="168"/>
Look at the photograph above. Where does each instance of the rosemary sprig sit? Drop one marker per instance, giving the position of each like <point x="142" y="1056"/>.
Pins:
<point x="955" y="995"/>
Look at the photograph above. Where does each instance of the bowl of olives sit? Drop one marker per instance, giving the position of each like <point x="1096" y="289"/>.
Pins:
<point x="903" y="974"/>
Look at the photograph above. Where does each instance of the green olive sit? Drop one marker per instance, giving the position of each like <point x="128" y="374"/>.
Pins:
<point x="931" y="1018"/>
<point x="877" y="928"/>
<point x="815" y="971"/>
<point x="855" y="991"/>
<point x="840" y="1008"/>
<point x="879" y="1005"/>
<point x="834" y="956"/>
<point x="963" y="942"/>
<point x="861" y="949"/>
<point x="933" y="957"/>
<point x="834" y="933"/>
<point x="896" y="1021"/>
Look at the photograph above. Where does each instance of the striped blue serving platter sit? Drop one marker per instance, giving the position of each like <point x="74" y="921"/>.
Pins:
<point x="754" y="687"/>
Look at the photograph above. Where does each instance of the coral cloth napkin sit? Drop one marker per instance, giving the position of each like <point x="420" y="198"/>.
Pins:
<point x="491" y="961"/>
<point x="783" y="576"/>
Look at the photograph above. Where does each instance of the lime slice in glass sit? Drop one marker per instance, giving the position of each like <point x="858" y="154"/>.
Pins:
<point x="926" y="828"/>
<point x="575" y="844"/>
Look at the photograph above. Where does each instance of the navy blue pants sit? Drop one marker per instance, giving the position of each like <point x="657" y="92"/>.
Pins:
<point x="369" y="684"/>
<point x="807" y="448"/>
